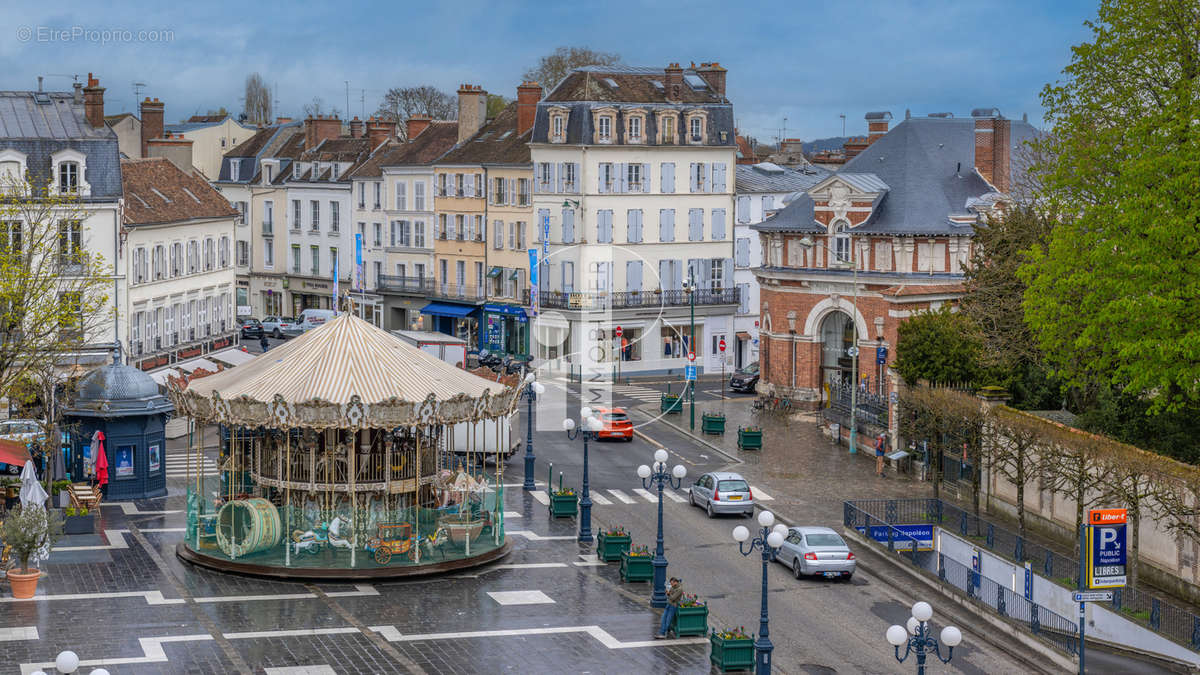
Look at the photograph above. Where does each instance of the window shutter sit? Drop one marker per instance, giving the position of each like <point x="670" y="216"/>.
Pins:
<point x="664" y="275"/>
<point x="695" y="224"/>
<point x="600" y="187"/>
<point x="568" y="226"/>
<point x="743" y="209"/>
<point x="556" y="177"/>
<point x="718" y="224"/>
<point x="543" y="215"/>
<point x="512" y="191"/>
<point x="645" y="178"/>
<point x="576" y="181"/>
<point x="719" y="177"/>
<point x="692" y="187"/>
<point x="743" y="252"/>
<point x="727" y="277"/>
<point x="705" y="177"/>
<point x="622" y="177"/>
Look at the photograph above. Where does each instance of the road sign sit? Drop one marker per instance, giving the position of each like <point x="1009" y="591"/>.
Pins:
<point x="692" y="356"/>
<point x="853" y="351"/>
<point x="1092" y="596"/>
<point x="689" y="373"/>
<point x="721" y="344"/>
<point x="900" y="535"/>
<point x="619" y="331"/>
<point x="880" y="355"/>
<point x="1106" y="550"/>
<point x="894" y="397"/>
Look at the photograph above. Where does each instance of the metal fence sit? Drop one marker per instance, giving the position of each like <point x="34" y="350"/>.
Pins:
<point x="1161" y="616"/>
<point x="872" y="408"/>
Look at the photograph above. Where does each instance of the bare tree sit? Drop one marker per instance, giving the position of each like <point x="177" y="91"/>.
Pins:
<point x="317" y="107"/>
<point x="553" y="67"/>
<point x="1015" y="454"/>
<point x="258" y="100"/>
<point x="401" y="103"/>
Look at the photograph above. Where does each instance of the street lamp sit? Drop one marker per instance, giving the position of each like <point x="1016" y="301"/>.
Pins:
<point x="589" y="425"/>
<point x="922" y="641"/>
<point x="807" y="242"/>
<point x="532" y="389"/>
<point x="659" y="476"/>
<point x="769" y="540"/>
<point x="691" y="291"/>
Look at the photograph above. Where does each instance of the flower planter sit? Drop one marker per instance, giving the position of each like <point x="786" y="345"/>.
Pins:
<point x="563" y="506"/>
<point x="690" y="621"/>
<point x="23" y="585"/>
<point x="609" y="547"/>
<point x="712" y="424"/>
<point x="671" y="404"/>
<point x="731" y="653"/>
<point x="636" y="567"/>
<point x="79" y="524"/>
<point x="749" y="439"/>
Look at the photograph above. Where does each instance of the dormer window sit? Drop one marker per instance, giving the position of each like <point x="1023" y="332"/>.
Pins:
<point x="604" y="123"/>
<point x="235" y="169"/>
<point x="12" y="171"/>
<point x="558" y="127"/>
<point x="841" y="245"/>
<point x="635" y="126"/>
<point x="604" y="129"/>
<point x="68" y="177"/>
<point x="696" y="130"/>
<point x="667" y="128"/>
<point x="69" y="168"/>
<point x="558" y="124"/>
<point x="697" y="122"/>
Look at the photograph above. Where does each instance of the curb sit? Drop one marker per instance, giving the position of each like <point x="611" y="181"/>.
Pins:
<point x="685" y="432"/>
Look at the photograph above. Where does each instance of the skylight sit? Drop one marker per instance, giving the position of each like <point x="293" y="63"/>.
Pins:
<point x="695" y="82"/>
<point x="611" y="82"/>
<point x="189" y="193"/>
<point x="657" y="84"/>
<point x="164" y="197"/>
<point x="505" y="135"/>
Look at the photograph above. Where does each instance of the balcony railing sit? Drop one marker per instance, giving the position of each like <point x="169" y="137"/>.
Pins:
<point x="632" y="299"/>
<point x="459" y="292"/>
<point x="398" y="284"/>
<point x="268" y="228"/>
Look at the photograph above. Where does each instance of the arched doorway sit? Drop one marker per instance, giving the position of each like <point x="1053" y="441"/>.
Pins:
<point x="837" y="336"/>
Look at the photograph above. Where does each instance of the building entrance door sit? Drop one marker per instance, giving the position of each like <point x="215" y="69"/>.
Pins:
<point x="837" y="336"/>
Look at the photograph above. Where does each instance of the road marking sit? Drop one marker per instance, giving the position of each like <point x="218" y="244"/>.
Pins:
<point x="156" y="597"/>
<point x="645" y="495"/>
<point x="132" y="510"/>
<point x="296" y="632"/>
<point x="670" y="494"/>
<point x="621" y="495"/>
<point x="392" y="634"/>
<point x="152" y="652"/>
<point x="521" y="597"/>
<point x="588" y="560"/>
<point x="323" y="669"/>
<point x="541" y="496"/>
<point x="511" y="514"/>
<point x="760" y="495"/>
<point x="596" y="497"/>
<point x="19" y="633"/>
<point x="116" y="539"/>
<point x="534" y="536"/>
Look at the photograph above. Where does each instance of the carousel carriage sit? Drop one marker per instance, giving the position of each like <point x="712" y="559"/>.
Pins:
<point x="393" y="539"/>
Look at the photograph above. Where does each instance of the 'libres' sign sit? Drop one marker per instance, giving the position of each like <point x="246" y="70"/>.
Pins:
<point x="1106" y="550"/>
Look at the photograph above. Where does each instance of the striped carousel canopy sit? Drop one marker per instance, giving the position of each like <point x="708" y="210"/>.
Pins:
<point x="347" y="373"/>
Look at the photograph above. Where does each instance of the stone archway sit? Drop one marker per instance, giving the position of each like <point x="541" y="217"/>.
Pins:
<point x="836" y="336"/>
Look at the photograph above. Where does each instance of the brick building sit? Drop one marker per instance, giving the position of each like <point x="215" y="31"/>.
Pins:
<point x="882" y="239"/>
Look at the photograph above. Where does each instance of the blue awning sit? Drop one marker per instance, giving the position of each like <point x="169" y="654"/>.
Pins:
<point x="511" y="310"/>
<point x="447" y="309"/>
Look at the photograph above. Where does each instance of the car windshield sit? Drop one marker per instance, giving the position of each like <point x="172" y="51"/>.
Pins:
<point x="733" y="486"/>
<point x="751" y="369"/>
<point x="616" y="417"/>
<point x="824" y="539"/>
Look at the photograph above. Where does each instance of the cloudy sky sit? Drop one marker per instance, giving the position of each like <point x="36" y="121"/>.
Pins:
<point x="806" y="62"/>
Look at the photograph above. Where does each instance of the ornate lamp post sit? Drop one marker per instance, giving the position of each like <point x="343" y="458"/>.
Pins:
<point x="659" y="476"/>
<point x="532" y="390"/>
<point x="589" y="425"/>
<point x="691" y="291"/>
<point x="768" y="541"/>
<point x="922" y="641"/>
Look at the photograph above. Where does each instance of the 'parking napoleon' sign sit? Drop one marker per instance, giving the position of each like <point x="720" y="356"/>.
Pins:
<point x="1106" y="548"/>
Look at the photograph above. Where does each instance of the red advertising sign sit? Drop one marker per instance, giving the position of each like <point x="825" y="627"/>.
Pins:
<point x="1106" y="516"/>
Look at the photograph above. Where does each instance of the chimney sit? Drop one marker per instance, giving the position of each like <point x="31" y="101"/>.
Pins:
<point x="528" y="95"/>
<point x="152" y="122"/>
<point x="356" y="127"/>
<point x="855" y="145"/>
<point x="674" y="82"/>
<point x="93" y="102"/>
<point x="993" y="134"/>
<point x="380" y="130"/>
<point x="173" y="147"/>
<point x="320" y="128"/>
<point x="282" y="120"/>
<point x="472" y="110"/>
<point x="416" y="124"/>
<point x="714" y="75"/>
<point x="877" y="125"/>
<point x="78" y="91"/>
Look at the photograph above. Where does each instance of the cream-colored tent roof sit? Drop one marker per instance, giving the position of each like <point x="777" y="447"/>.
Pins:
<point x="343" y="358"/>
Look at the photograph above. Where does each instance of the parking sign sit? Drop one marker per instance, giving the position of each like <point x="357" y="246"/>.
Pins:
<point x="1106" y="549"/>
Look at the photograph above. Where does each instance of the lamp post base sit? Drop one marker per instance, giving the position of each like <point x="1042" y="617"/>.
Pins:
<point x="658" y="598"/>
<point x="585" y="520"/>
<point x="529" y="483"/>
<point x="762" y="655"/>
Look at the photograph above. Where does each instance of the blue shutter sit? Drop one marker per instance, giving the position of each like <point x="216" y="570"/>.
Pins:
<point x="695" y="224"/>
<point x="556" y="176"/>
<point x="692" y="186"/>
<point x="633" y="275"/>
<point x="668" y="177"/>
<point x="645" y="178"/>
<point x="664" y="274"/>
<point x="622" y="177"/>
<point x="743" y="252"/>
<point x="600" y="186"/>
<point x="727" y="277"/>
<point x="718" y="181"/>
<point x="677" y="274"/>
<point x="705" y="177"/>
<point x="718" y="224"/>
<point x="743" y="209"/>
<point x="543" y="214"/>
<point x="568" y="226"/>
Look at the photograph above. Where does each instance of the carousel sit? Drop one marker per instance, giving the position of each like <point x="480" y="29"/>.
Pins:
<point x="345" y="453"/>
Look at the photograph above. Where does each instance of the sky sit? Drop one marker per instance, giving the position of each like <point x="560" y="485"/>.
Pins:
<point x="794" y="68"/>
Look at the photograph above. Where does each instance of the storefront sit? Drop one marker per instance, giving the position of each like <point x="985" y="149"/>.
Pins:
<point x="308" y="294"/>
<point x="461" y="321"/>
<point x="505" y="329"/>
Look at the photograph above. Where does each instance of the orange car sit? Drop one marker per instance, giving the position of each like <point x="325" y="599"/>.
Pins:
<point x="616" y="424"/>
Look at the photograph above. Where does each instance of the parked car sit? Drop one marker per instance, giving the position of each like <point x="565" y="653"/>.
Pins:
<point x="816" y="550"/>
<point x="313" y="318"/>
<point x="723" y="492"/>
<point x="744" y="379"/>
<point x="280" y="327"/>
<point x="616" y="424"/>
<point x="250" y="327"/>
<point x="21" y="431"/>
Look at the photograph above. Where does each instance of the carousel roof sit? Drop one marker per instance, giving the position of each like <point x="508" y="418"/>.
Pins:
<point x="336" y="374"/>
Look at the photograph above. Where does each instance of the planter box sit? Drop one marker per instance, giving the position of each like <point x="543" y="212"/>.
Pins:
<point x="671" y="404"/>
<point x="79" y="524"/>
<point x="749" y="440"/>
<point x="563" y="506"/>
<point x="727" y="655"/>
<point x="690" y="621"/>
<point x="712" y="424"/>
<point x="610" y="547"/>
<point x="636" y="567"/>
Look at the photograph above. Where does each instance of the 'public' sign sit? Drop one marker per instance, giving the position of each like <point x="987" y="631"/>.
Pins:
<point x="1106" y="549"/>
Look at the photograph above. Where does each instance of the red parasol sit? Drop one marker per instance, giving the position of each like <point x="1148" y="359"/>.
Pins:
<point x="101" y="461"/>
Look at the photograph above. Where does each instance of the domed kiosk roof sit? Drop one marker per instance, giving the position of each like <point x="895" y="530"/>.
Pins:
<point x="117" y="390"/>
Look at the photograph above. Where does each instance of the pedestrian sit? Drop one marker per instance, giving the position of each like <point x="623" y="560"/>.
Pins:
<point x="880" y="443"/>
<point x="262" y="342"/>
<point x="674" y="594"/>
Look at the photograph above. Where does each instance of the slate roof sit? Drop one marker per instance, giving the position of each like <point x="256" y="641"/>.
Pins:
<point x="282" y="141"/>
<point x="798" y="216"/>
<point x="496" y="142"/>
<point x="206" y="119"/>
<point x="341" y="149"/>
<point x="157" y="191"/>
<point x="632" y="85"/>
<point x="200" y="122"/>
<point x="439" y="137"/>
<point x="767" y="177"/>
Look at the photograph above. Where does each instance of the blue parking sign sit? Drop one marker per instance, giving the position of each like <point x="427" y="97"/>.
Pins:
<point x="1106" y="556"/>
<point x="689" y="373"/>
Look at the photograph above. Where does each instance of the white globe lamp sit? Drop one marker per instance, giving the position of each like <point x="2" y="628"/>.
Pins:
<point x="774" y="540"/>
<point x="679" y="471"/>
<point x="740" y="534"/>
<point x="921" y="611"/>
<point x="766" y="519"/>
<point x="66" y="662"/>
<point x="660" y="456"/>
<point x="568" y="424"/>
<point x="896" y="636"/>
<point x="643" y="471"/>
<point x="951" y="636"/>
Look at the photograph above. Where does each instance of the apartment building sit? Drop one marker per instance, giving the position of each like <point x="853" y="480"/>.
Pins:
<point x="212" y="136"/>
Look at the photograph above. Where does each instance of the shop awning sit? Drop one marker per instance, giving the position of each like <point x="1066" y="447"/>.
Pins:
<point x="742" y="335"/>
<point x="512" y="276"/>
<point x="510" y="310"/>
<point x="447" y="309"/>
<point x="232" y="357"/>
<point x="13" y="452"/>
<point x="495" y="272"/>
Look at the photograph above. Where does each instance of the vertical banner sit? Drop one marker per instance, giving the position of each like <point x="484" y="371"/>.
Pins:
<point x="533" y="282"/>
<point x="335" y="285"/>
<point x="358" y="264"/>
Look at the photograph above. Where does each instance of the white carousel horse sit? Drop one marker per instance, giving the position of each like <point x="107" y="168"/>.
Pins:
<point x="336" y="539"/>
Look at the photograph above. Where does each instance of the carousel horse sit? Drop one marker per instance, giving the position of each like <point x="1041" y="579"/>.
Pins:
<point x="336" y="539"/>
<point x="437" y="541"/>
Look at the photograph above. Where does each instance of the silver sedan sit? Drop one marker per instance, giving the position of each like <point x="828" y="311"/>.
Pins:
<point x="816" y="550"/>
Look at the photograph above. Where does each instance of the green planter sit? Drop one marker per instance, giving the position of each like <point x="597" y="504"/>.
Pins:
<point x="563" y="506"/>
<point x="735" y="654"/>
<point x="690" y="621"/>
<point x="749" y="440"/>
<point x="671" y="404"/>
<point x="636" y="567"/>
<point x="609" y="547"/>
<point x="713" y="424"/>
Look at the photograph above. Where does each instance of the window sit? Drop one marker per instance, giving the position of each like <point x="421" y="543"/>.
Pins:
<point x="377" y="189"/>
<point x="401" y="269"/>
<point x="419" y="234"/>
<point x="633" y="222"/>
<point x="334" y="216"/>
<point x="695" y="224"/>
<point x="498" y="234"/>
<point x="223" y="253"/>
<point x="569" y="177"/>
<point x="296" y="214"/>
<point x="522" y="192"/>
<point x="498" y="191"/>
<point x="607" y="177"/>
<point x="568" y="276"/>
<point x="268" y="217"/>
<point x="362" y="195"/>
<point x="696" y="127"/>
<point x="459" y="186"/>
<point x="405" y="238"/>
<point x="717" y="224"/>
<point x="604" y="226"/>
<point x="635" y="129"/>
<point x="71" y="318"/>
<point x="768" y="204"/>
<point x="478" y="191"/>
<point x="441" y="233"/>
<point x="545" y="176"/>
<point x="520" y="234"/>
<point x="316" y="215"/>
<point x="68" y="177"/>
<point x="378" y="229"/>
<point x="70" y="243"/>
<point x="716" y="275"/>
<point x="209" y="254"/>
<point x="666" y="128"/>
<point x="243" y="254"/>
<point x="419" y="270"/>
<point x="139" y="262"/>
<point x="268" y="252"/>
<point x="295" y="258"/>
<point x="480" y="229"/>
<point x="604" y="129"/>
<point x="315" y="252"/>
<point x="378" y="266"/>
<point x="442" y="184"/>
<point x="333" y="262"/>
<point x="634" y="177"/>
<point x="557" y="122"/>
<point x="841" y="245"/>
<point x="442" y="277"/>
<point x="457" y="232"/>
<point x="512" y="235"/>
<point x="235" y="169"/>
<point x="698" y="177"/>
<point x="666" y="225"/>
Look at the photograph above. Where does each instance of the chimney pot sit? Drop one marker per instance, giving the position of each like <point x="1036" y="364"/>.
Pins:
<point x="152" y="123"/>
<point x="528" y="95"/>
<point x="416" y="124"/>
<point x="93" y="102"/>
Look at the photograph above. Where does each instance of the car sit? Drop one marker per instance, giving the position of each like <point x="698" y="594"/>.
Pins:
<point x="616" y="424"/>
<point x="723" y="492"/>
<point x="313" y="318"/>
<point x="24" y="431"/>
<point x="250" y="327"/>
<point x="745" y="379"/>
<point x="816" y="551"/>
<point x="281" y="327"/>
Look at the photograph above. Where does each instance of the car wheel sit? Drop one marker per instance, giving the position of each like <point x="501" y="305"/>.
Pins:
<point x="692" y="497"/>
<point x="710" y="510"/>
<point x="278" y="335"/>
<point x="848" y="577"/>
<point x="629" y="438"/>
<point x="796" y="568"/>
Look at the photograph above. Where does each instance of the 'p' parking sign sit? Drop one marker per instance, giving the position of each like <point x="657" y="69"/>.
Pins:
<point x="1106" y="548"/>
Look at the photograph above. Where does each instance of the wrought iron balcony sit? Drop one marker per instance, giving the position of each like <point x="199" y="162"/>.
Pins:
<point x="635" y="299"/>
<point x="459" y="292"/>
<point x="397" y="284"/>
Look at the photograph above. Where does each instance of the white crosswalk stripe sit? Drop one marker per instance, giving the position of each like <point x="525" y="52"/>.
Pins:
<point x="670" y="494"/>
<point x="760" y="495"/>
<point x="599" y="499"/>
<point x="541" y="496"/>
<point x="626" y="499"/>
<point x="645" y="494"/>
<point x="183" y="465"/>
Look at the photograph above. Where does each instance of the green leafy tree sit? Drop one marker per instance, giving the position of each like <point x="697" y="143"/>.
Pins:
<point x="496" y="104"/>
<point x="1115" y="295"/>
<point x="938" y="347"/>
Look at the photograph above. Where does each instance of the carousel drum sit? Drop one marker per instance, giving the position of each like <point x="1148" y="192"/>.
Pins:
<point x="246" y="526"/>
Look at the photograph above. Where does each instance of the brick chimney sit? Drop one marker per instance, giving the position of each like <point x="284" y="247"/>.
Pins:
<point x="993" y="134"/>
<point x="93" y="102"/>
<point x="416" y="124"/>
<point x="152" y="122"/>
<point x="173" y="147"/>
<point x="320" y="128"/>
<point x="528" y="95"/>
<point x="356" y="127"/>
<point x="877" y="125"/>
<point x="380" y="130"/>
<point x="674" y="82"/>
<point x="282" y="120"/>
<point x="714" y="75"/>
<point x="472" y="110"/>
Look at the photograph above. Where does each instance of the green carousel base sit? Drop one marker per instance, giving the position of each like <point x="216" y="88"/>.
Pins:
<point x="340" y="573"/>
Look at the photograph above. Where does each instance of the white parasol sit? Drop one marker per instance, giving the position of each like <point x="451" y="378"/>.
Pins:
<point x="32" y="492"/>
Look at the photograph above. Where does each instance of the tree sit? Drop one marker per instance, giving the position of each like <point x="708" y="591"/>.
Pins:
<point x="496" y="104"/>
<point x="317" y="107"/>
<point x="402" y="103"/>
<point x="258" y="100"/>
<point x="937" y="347"/>
<point x="1015" y="454"/>
<point x="553" y="67"/>
<point x="1113" y="297"/>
